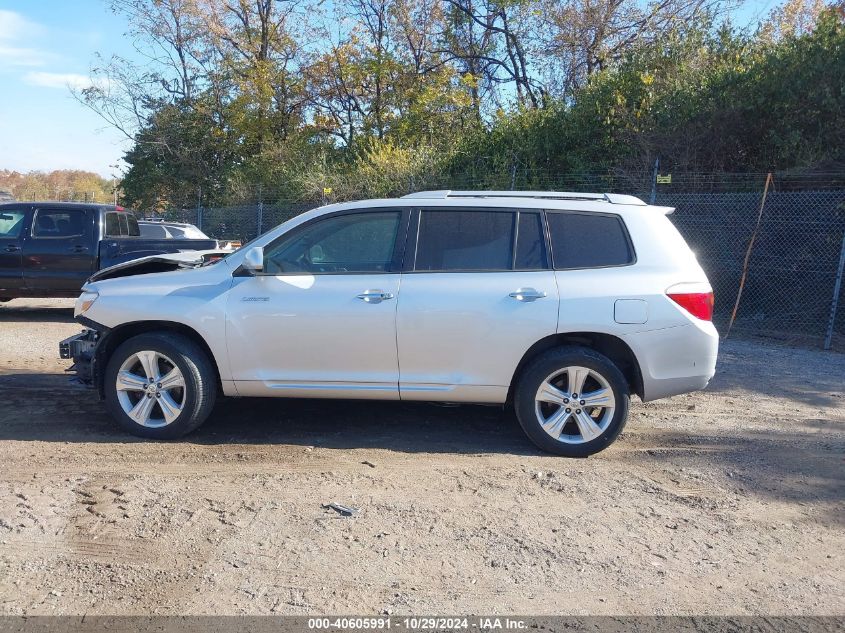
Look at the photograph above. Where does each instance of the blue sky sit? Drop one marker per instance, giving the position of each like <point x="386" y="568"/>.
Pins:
<point x="47" y="45"/>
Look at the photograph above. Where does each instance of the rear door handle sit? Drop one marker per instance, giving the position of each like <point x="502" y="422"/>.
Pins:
<point x="78" y="249"/>
<point x="527" y="294"/>
<point x="375" y="296"/>
<point x="12" y="248"/>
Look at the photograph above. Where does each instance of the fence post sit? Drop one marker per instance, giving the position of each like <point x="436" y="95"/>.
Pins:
<point x="654" y="180"/>
<point x="260" y="219"/>
<point x="834" y="304"/>
<point x="199" y="208"/>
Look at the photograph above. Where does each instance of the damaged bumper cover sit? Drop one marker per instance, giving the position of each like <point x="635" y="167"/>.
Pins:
<point x="82" y="349"/>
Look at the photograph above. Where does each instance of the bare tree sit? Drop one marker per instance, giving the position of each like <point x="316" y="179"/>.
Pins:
<point x="581" y="37"/>
<point x="492" y="41"/>
<point x="170" y="36"/>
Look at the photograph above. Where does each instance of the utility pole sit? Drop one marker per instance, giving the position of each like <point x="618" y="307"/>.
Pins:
<point x="114" y="181"/>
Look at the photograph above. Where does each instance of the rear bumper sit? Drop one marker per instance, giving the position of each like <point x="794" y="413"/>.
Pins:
<point x="676" y="360"/>
<point x="81" y="348"/>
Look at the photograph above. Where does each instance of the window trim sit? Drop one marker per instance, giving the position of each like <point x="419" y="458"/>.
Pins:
<point x="396" y="261"/>
<point x="616" y="216"/>
<point x="414" y="230"/>
<point x="86" y="217"/>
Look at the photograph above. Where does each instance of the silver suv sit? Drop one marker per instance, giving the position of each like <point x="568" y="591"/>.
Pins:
<point x="561" y="305"/>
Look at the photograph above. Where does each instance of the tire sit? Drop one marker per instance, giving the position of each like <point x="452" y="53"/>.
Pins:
<point x="178" y="408"/>
<point x="571" y="434"/>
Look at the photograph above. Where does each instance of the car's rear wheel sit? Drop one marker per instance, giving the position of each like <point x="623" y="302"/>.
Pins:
<point x="160" y="385"/>
<point x="572" y="401"/>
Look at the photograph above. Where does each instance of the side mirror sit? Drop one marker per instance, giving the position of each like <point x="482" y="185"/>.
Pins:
<point x="254" y="259"/>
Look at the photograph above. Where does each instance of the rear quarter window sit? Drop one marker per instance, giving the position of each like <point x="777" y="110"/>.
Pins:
<point x="588" y="240"/>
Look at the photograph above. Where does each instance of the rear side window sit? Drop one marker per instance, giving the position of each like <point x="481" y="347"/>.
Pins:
<point x="588" y="240"/>
<point x="59" y="223"/>
<point x="465" y="240"/>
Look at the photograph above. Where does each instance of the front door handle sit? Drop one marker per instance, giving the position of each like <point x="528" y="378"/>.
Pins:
<point x="78" y="249"/>
<point x="13" y="248"/>
<point x="527" y="294"/>
<point x="375" y="296"/>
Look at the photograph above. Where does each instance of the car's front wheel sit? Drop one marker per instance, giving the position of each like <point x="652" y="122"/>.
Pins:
<point x="572" y="401"/>
<point x="160" y="385"/>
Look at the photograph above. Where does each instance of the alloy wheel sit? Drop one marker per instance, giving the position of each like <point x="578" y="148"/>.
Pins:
<point x="575" y="405"/>
<point x="150" y="389"/>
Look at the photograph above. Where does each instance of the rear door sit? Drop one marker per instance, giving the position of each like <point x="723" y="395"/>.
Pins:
<point x="57" y="255"/>
<point x="12" y="224"/>
<point x="479" y="292"/>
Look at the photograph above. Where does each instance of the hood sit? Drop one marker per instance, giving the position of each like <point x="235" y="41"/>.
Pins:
<point x="158" y="264"/>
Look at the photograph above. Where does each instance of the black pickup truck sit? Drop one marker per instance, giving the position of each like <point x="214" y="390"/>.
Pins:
<point x="49" y="249"/>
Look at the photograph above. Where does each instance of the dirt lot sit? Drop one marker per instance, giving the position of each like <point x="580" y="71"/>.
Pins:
<point x="728" y="501"/>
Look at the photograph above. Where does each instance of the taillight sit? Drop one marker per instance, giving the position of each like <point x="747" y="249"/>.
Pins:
<point x="698" y="304"/>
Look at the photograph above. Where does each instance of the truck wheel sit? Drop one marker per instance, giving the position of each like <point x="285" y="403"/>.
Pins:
<point x="160" y="385"/>
<point x="572" y="401"/>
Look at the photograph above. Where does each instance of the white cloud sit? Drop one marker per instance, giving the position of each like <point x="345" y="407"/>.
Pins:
<point x="73" y="81"/>
<point x="15" y="30"/>
<point x="16" y="56"/>
<point x="13" y="25"/>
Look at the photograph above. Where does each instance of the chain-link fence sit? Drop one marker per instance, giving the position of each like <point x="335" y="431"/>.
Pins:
<point x="790" y="280"/>
<point x="790" y="290"/>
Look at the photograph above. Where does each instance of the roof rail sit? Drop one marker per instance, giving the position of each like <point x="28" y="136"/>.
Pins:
<point x="612" y="198"/>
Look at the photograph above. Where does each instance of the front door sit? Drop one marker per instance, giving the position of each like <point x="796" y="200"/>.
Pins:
<point x="58" y="256"/>
<point x="480" y="294"/>
<point x="321" y="318"/>
<point x="12" y="221"/>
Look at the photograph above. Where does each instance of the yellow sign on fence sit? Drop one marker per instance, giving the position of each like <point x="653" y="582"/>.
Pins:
<point x="664" y="180"/>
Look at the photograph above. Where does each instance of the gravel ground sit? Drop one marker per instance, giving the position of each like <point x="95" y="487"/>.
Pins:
<point x="728" y="501"/>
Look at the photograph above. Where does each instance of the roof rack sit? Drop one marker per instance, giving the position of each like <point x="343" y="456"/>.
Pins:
<point x="612" y="198"/>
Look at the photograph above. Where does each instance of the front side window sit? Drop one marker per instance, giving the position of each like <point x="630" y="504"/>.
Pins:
<point x="465" y="240"/>
<point x="588" y="240"/>
<point x="11" y="223"/>
<point x="59" y="223"/>
<point x="350" y="243"/>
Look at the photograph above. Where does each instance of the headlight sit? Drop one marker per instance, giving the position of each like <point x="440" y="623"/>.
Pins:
<point x="85" y="301"/>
